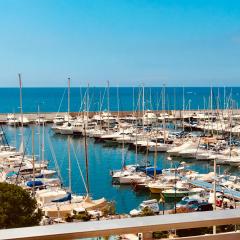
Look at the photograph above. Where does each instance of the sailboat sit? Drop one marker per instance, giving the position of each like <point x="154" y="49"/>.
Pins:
<point x="67" y="127"/>
<point x="66" y="204"/>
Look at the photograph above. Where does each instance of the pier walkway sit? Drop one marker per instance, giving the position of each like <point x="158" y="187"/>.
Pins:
<point x="209" y="186"/>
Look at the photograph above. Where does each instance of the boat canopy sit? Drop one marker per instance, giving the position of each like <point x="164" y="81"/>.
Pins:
<point x="68" y="197"/>
<point x="34" y="183"/>
<point x="150" y="171"/>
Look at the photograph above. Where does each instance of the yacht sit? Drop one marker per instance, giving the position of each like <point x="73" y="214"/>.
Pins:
<point x="58" y="120"/>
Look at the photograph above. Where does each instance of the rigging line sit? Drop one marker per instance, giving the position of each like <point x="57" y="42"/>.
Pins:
<point x="101" y="103"/>
<point x="218" y="114"/>
<point x="4" y="135"/>
<point x="24" y="153"/>
<point x="139" y="99"/>
<point x="82" y="102"/>
<point x="54" y="158"/>
<point x="79" y="168"/>
<point x="62" y="100"/>
<point x="63" y="156"/>
<point x="90" y="102"/>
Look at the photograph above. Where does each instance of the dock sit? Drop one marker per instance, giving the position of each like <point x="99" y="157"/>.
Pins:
<point x="230" y="193"/>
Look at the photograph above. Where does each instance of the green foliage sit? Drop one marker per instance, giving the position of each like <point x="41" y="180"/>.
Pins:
<point x="17" y="208"/>
<point x="109" y="209"/>
<point x="85" y="216"/>
<point x="159" y="235"/>
<point x="147" y="212"/>
<point x="69" y="218"/>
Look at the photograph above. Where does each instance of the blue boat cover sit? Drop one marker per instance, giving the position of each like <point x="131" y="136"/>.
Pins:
<point x="34" y="183"/>
<point x="68" y="197"/>
<point x="39" y="176"/>
<point x="142" y="168"/>
<point x="150" y="171"/>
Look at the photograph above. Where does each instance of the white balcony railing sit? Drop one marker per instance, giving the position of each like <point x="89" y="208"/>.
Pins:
<point x="143" y="225"/>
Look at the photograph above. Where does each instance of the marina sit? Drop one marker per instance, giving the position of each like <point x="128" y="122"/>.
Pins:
<point x="119" y="120"/>
<point x="153" y="141"/>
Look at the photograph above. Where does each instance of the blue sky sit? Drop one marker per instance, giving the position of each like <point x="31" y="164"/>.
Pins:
<point x="181" y="42"/>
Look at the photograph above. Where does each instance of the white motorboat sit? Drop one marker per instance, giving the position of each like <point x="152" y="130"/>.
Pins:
<point x="149" y="204"/>
<point x="159" y="147"/>
<point x="58" y="120"/>
<point x="175" y="151"/>
<point x="149" y="118"/>
<point x="66" y="129"/>
<point x="134" y="178"/>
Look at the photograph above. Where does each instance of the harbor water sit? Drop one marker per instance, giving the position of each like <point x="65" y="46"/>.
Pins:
<point x="102" y="158"/>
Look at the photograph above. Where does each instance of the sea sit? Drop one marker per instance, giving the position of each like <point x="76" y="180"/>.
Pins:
<point x="122" y="98"/>
<point x="104" y="157"/>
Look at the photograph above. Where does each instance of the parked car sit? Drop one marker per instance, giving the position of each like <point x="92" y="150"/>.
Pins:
<point x="150" y="204"/>
<point x="203" y="206"/>
<point x="187" y="202"/>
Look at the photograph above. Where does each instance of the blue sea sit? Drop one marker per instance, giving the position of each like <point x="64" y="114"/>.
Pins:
<point x="124" y="98"/>
<point x="102" y="157"/>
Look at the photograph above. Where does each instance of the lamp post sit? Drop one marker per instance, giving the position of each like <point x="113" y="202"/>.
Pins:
<point x="214" y="191"/>
<point x="162" y="200"/>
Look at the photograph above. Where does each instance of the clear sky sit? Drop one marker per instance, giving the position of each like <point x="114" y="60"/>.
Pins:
<point x="181" y="42"/>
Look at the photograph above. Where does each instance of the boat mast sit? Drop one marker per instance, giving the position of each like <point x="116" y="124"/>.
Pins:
<point x="118" y="103"/>
<point x="175" y="108"/>
<point x="163" y="108"/>
<point x="150" y="99"/>
<point x="214" y="191"/>
<point x="183" y="108"/>
<point x="68" y="99"/>
<point x="155" y="160"/>
<point x="211" y="106"/>
<point x="88" y="103"/>
<point x="224" y="98"/>
<point x="86" y="158"/>
<point x="43" y="140"/>
<point x="39" y="134"/>
<point x="69" y="155"/>
<point x="123" y="158"/>
<point x="21" y="111"/>
<point x="230" y="133"/>
<point x="108" y="103"/>
<point x="15" y="130"/>
<point x="33" y="163"/>
<point x="69" y="167"/>
<point x="100" y="111"/>
<point x="133" y="102"/>
<point x="143" y="106"/>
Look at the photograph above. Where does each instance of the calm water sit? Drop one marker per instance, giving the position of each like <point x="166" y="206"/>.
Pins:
<point x="102" y="159"/>
<point x="49" y="99"/>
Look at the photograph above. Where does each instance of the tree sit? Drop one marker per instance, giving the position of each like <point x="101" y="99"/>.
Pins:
<point x="147" y="212"/>
<point x="17" y="208"/>
<point x="109" y="209"/>
<point x="83" y="216"/>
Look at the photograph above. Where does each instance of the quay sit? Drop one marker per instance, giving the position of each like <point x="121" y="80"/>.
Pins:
<point x="230" y="193"/>
<point x="170" y="114"/>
